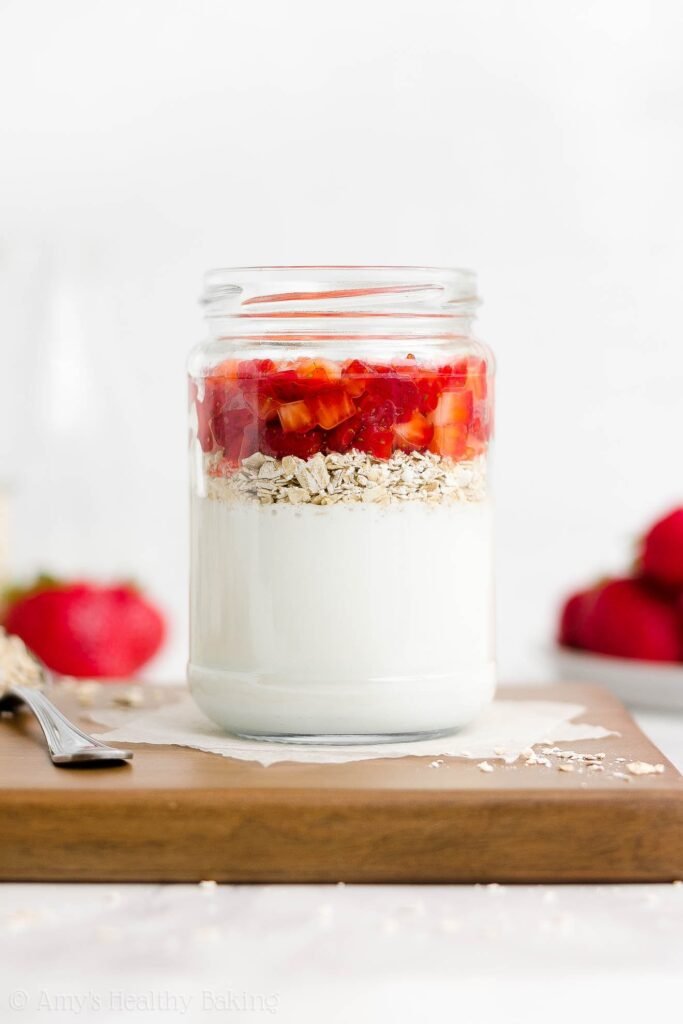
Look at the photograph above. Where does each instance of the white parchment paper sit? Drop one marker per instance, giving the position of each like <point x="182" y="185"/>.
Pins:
<point x="503" y="730"/>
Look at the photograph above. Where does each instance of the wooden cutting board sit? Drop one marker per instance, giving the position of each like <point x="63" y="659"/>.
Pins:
<point x="178" y="815"/>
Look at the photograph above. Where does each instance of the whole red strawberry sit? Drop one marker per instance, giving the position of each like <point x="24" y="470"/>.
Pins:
<point x="662" y="553"/>
<point x="574" y="616"/>
<point x="627" y="619"/>
<point x="86" y="630"/>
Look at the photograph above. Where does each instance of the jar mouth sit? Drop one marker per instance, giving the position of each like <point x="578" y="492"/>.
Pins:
<point x="323" y="292"/>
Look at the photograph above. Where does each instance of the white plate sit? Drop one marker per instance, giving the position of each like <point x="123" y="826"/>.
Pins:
<point x="644" y="684"/>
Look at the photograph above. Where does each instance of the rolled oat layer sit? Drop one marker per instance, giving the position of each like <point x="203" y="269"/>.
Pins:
<point x="347" y="478"/>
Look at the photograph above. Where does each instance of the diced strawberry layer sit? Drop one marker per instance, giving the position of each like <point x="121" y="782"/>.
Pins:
<point x="303" y="406"/>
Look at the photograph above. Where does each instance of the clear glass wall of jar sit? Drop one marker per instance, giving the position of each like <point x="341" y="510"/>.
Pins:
<point x="342" y="554"/>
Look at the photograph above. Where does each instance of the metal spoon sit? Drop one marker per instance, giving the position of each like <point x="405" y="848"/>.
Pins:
<point x="66" y="743"/>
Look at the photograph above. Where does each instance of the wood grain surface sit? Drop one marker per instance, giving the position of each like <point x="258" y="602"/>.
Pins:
<point x="179" y="815"/>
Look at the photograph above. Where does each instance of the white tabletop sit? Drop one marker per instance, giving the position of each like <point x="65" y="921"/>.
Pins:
<point x="345" y="953"/>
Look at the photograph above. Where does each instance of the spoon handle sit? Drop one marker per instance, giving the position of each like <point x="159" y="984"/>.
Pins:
<point x="66" y="743"/>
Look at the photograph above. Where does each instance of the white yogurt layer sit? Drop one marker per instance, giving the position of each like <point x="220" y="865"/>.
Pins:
<point x="343" y="619"/>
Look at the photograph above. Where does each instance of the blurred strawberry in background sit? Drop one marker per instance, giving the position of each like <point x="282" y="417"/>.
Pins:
<point x="84" y="629"/>
<point x="661" y="559"/>
<point x="640" y="616"/>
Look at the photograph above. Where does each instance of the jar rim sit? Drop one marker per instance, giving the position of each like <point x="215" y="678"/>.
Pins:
<point x="304" y="291"/>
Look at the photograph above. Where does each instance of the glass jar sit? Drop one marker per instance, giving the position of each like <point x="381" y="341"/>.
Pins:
<point x="342" y="555"/>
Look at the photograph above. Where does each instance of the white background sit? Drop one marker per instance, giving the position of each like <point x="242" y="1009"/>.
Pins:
<point x="537" y="142"/>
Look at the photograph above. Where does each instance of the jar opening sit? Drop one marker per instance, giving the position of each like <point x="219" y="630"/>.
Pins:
<point x="301" y="292"/>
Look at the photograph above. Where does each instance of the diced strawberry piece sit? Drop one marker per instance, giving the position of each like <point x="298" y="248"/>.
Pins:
<point x="400" y="391"/>
<point x="277" y="442"/>
<point x="216" y="393"/>
<point x="381" y="415"/>
<point x="296" y="417"/>
<point x="477" y="378"/>
<point x="325" y="371"/>
<point x="227" y="427"/>
<point x="406" y="366"/>
<point x="479" y="428"/>
<point x="314" y="369"/>
<point x="356" y="376"/>
<point x="375" y="441"/>
<point x="332" y="408"/>
<point x="286" y="386"/>
<point x="252" y="392"/>
<point x="267" y="408"/>
<point x="303" y="366"/>
<point x="450" y="441"/>
<point x="406" y="397"/>
<point x="454" y="375"/>
<point x="474" y="447"/>
<point x="416" y="433"/>
<point x="251" y="441"/>
<point x="254" y="368"/>
<point x="290" y="385"/>
<point x="342" y="437"/>
<point x="219" y="387"/>
<point x="453" y="407"/>
<point x="479" y="433"/>
<point x="429" y="387"/>
<point x="227" y="370"/>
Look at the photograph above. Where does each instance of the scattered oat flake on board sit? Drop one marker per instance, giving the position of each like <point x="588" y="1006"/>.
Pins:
<point x="86" y="693"/>
<point x="435" y="764"/>
<point x="68" y="684"/>
<point x="484" y="766"/>
<point x="131" y="697"/>
<point x="565" y="767"/>
<point x="643" y="768"/>
<point x="539" y="759"/>
<point x="17" y="666"/>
